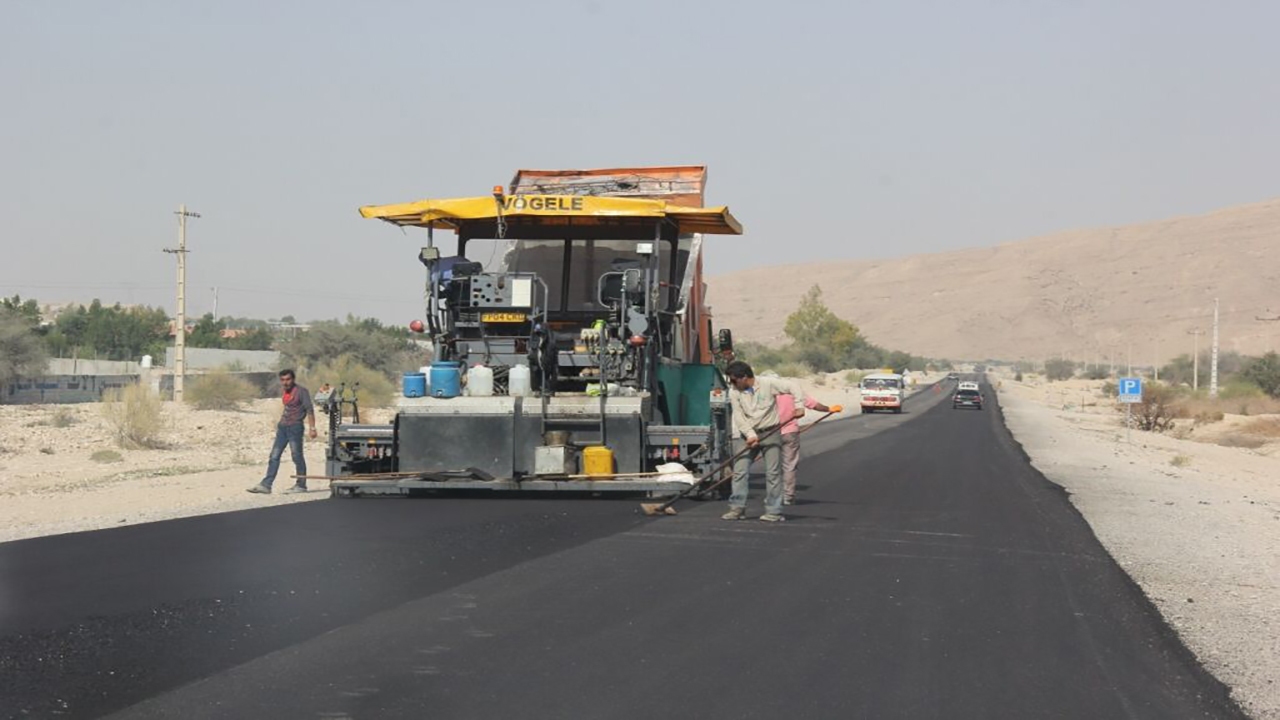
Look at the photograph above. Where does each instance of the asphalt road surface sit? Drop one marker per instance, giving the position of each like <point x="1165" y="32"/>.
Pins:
<point x="928" y="572"/>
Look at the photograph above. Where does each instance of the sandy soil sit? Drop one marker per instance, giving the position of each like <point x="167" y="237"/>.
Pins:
<point x="49" y="482"/>
<point x="1196" y="524"/>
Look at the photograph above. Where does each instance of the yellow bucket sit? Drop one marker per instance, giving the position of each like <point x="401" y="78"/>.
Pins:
<point x="597" y="460"/>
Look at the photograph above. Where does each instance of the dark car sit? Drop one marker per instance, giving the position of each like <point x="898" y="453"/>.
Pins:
<point x="967" y="398"/>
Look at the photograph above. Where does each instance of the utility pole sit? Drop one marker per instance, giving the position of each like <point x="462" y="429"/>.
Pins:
<point x="180" y="334"/>
<point x="1213" y="365"/>
<point x="215" y="303"/>
<point x="1156" y="363"/>
<point x="1195" y="358"/>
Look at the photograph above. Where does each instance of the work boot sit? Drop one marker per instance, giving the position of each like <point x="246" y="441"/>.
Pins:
<point x="772" y="517"/>
<point x="735" y="513"/>
<point x="260" y="488"/>
<point x="299" y="488"/>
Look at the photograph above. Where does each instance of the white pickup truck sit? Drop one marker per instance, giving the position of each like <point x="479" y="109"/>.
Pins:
<point x="882" y="391"/>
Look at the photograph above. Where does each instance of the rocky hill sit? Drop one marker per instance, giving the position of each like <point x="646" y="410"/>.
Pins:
<point x="1089" y="295"/>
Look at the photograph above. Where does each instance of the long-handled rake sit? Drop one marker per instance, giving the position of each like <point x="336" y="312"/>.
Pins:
<point x="666" y="507"/>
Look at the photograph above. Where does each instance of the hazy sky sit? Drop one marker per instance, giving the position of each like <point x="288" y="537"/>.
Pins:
<point x="832" y="130"/>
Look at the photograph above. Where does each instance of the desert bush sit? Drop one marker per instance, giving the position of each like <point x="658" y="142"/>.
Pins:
<point x="1240" y="390"/>
<point x="47" y="451"/>
<point x="1257" y="405"/>
<point x="135" y="416"/>
<point x="792" y="369"/>
<point x="820" y="381"/>
<point x="106" y="456"/>
<point x="1240" y="440"/>
<point x="760" y="356"/>
<point x="376" y="389"/>
<point x="62" y="418"/>
<point x="1208" y="416"/>
<point x="220" y="390"/>
<point x="1059" y="369"/>
<point x="1110" y="389"/>
<point x="1097" y="372"/>
<point x="1157" y="410"/>
<point x="852" y="377"/>
<point x="1267" y="427"/>
<point x="1180" y="461"/>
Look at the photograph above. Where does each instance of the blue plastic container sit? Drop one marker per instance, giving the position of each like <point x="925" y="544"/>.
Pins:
<point x="415" y="384"/>
<point x="446" y="379"/>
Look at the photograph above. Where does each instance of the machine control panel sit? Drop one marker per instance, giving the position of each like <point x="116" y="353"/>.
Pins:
<point x="500" y="291"/>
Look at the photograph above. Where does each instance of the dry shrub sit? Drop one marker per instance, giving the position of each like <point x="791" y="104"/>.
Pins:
<point x="134" y="415"/>
<point x="1156" y="411"/>
<point x="1180" y="461"/>
<point x="1209" y="410"/>
<point x="1267" y="427"/>
<point x="792" y="370"/>
<point x="106" y="456"/>
<point x="220" y="390"/>
<point x="62" y="418"/>
<point x="376" y="389"/>
<point x="1241" y="441"/>
<point x="1260" y="405"/>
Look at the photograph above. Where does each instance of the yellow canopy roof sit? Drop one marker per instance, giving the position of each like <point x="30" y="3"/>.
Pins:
<point x="451" y="213"/>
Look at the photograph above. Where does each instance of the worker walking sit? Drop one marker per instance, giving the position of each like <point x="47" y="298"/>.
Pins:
<point x="297" y="407"/>
<point x="756" y="423"/>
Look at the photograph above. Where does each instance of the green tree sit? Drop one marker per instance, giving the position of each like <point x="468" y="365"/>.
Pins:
<point x="21" y="352"/>
<point x="368" y="343"/>
<point x="207" y="333"/>
<point x="1265" y="373"/>
<point x="27" y="310"/>
<point x="112" y="333"/>
<point x="820" y="339"/>
<point x="255" y="339"/>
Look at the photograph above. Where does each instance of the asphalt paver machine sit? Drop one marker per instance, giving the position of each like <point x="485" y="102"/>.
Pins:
<point x="575" y="304"/>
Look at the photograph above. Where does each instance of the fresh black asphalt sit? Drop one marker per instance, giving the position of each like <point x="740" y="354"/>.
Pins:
<point x="928" y="572"/>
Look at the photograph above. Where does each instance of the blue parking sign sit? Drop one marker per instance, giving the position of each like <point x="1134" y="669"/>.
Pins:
<point x="1130" y="389"/>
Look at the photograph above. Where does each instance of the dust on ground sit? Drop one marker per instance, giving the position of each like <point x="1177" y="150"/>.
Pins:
<point x="1194" y="520"/>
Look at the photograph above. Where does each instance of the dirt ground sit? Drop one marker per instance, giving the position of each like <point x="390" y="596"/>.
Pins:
<point x="1195" y="523"/>
<point x="50" y="482"/>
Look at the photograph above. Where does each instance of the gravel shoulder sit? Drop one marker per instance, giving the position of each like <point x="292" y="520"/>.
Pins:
<point x="1196" y="525"/>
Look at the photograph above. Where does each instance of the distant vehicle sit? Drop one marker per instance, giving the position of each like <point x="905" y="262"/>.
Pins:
<point x="968" y="385"/>
<point x="882" y="391"/>
<point x="967" y="398"/>
<point x="953" y="376"/>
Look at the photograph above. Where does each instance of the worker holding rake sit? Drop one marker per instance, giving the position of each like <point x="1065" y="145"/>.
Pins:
<point x="755" y="435"/>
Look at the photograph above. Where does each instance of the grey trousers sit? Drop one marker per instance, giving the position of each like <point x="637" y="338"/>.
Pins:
<point x="770" y="450"/>
<point x="790" y="461"/>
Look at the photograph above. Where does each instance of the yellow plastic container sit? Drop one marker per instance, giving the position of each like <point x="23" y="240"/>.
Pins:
<point x="597" y="460"/>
